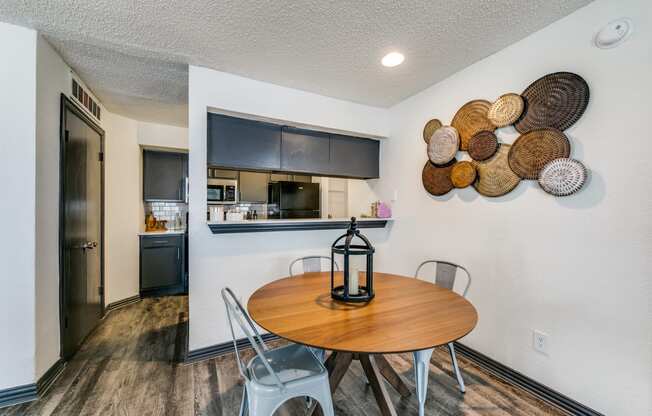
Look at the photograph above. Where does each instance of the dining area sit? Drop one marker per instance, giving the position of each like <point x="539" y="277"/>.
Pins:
<point x="337" y="310"/>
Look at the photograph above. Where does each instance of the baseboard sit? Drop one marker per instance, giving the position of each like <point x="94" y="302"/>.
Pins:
<point x="17" y="395"/>
<point x="30" y="392"/>
<point x="47" y="380"/>
<point x="512" y="376"/>
<point x="123" y="302"/>
<point x="213" y="351"/>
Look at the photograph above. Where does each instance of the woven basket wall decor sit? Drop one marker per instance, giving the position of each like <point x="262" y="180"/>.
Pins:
<point x="430" y="128"/>
<point x="556" y="100"/>
<point x="470" y="119"/>
<point x="483" y="145"/>
<point x="562" y="177"/>
<point x="463" y="174"/>
<point x="437" y="179"/>
<point x="506" y="110"/>
<point x="495" y="178"/>
<point x="443" y="145"/>
<point x="531" y="151"/>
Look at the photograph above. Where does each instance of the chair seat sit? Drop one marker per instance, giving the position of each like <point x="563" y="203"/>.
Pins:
<point x="291" y="363"/>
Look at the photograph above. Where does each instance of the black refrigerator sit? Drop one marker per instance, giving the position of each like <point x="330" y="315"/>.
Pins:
<point x="288" y="200"/>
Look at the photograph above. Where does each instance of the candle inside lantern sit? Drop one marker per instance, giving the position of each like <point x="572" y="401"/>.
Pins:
<point x="354" y="275"/>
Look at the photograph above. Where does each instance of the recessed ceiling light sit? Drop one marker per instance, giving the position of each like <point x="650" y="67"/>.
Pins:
<point x="393" y="59"/>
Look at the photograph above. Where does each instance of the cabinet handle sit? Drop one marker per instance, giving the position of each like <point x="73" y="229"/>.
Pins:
<point x="178" y="253"/>
<point x="187" y="183"/>
<point x="160" y="241"/>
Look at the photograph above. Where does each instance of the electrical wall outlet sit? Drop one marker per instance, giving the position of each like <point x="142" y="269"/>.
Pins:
<point x="540" y="341"/>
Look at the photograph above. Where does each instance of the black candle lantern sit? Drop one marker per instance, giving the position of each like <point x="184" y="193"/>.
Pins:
<point x="355" y="255"/>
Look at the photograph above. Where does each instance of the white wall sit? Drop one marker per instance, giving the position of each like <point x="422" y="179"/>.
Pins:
<point x="17" y="174"/>
<point x="159" y="135"/>
<point x="53" y="77"/>
<point x="247" y="261"/>
<point x="577" y="268"/>
<point x="123" y="208"/>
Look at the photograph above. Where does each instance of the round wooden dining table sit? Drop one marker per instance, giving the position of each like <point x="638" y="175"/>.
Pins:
<point x="406" y="315"/>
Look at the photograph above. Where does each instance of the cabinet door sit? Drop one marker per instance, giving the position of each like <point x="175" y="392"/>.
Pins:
<point x="253" y="186"/>
<point x="164" y="176"/>
<point x="161" y="264"/>
<point x="243" y="144"/>
<point x="354" y="157"/>
<point x="305" y="151"/>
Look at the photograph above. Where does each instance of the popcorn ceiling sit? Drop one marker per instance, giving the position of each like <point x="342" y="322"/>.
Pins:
<point x="134" y="54"/>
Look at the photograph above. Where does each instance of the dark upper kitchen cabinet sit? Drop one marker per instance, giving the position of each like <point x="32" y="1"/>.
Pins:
<point x="164" y="176"/>
<point x="162" y="261"/>
<point x="252" y="145"/>
<point x="354" y="157"/>
<point x="243" y="144"/>
<point x="305" y="151"/>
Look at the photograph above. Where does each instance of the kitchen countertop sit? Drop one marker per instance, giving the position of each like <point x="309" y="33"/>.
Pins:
<point x="163" y="232"/>
<point x="299" y="224"/>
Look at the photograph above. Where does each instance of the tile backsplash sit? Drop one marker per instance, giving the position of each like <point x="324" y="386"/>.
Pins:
<point x="167" y="211"/>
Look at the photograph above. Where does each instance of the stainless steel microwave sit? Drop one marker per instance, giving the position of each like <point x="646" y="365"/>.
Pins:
<point x="222" y="191"/>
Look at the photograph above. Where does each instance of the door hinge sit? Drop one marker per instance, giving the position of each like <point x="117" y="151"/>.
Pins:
<point x="100" y="290"/>
<point x="101" y="157"/>
<point x="66" y="136"/>
<point x="65" y="322"/>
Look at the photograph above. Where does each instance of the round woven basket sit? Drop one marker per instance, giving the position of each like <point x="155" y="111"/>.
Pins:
<point x="470" y="119"/>
<point x="562" y="177"/>
<point x="506" y="110"/>
<point x="531" y="151"/>
<point x="430" y="128"/>
<point x="437" y="179"/>
<point x="483" y="145"/>
<point x="463" y="174"/>
<point x="443" y="145"/>
<point x="495" y="178"/>
<point x="556" y="100"/>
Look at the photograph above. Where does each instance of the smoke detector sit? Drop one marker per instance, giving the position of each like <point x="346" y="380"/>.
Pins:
<point x="613" y="34"/>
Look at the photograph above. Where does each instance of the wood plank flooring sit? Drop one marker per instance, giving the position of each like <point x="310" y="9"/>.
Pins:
<point x="131" y="365"/>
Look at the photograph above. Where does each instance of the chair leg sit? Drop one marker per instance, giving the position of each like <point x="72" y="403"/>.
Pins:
<point x="244" y="405"/>
<point x="324" y="398"/>
<point x="456" y="368"/>
<point x="421" y="368"/>
<point x="260" y="406"/>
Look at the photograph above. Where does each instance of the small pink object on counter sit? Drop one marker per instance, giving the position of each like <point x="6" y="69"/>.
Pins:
<point x="384" y="211"/>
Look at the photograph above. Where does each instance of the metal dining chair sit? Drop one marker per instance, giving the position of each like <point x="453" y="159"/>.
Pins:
<point x="274" y="376"/>
<point x="312" y="264"/>
<point x="445" y="276"/>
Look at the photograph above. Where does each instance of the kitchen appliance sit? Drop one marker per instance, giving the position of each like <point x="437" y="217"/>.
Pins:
<point x="222" y="191"/>
<point x="293" y="200"/>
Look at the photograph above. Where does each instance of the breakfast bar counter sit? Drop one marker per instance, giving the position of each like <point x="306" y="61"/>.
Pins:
<point x="250" y="226"/>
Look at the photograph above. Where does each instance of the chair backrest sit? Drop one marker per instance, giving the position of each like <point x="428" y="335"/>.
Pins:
<point x="446" y="273"/>
<point x="311" y="264"/>
<point x="235" y="312"/>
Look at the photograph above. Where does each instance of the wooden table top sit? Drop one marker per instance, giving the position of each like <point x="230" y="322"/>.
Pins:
<point x="406" y="315"/>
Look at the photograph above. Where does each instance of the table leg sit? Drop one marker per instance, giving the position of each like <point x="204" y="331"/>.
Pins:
<point x="392" y="377"/>
<point x="375" y="380"/>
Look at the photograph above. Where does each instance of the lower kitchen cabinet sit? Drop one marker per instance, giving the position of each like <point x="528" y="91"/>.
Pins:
<point x="162" y="265"/>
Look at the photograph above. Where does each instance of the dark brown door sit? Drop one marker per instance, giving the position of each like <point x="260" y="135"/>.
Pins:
<point x="81" y="223"/>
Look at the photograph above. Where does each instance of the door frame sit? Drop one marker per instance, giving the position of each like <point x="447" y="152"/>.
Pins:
<point x="67" y="104"/>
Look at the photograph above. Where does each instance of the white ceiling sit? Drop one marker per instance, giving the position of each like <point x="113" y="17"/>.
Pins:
<point x="134" y="54"/>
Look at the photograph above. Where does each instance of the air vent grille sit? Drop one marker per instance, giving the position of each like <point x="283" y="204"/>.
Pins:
<point x="86" y="100"/>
